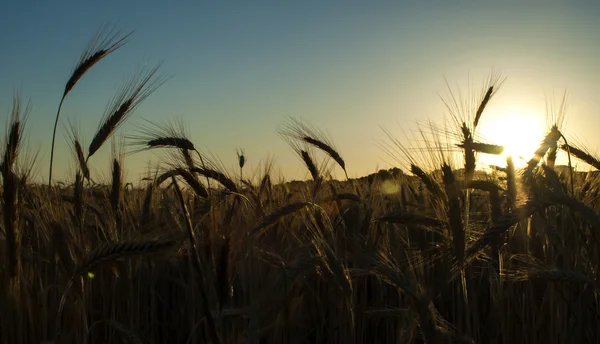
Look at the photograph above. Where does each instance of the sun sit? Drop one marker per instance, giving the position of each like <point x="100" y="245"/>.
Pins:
<point x="518" y="130"/>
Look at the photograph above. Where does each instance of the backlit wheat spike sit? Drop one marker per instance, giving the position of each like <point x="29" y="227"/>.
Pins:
<point x="582" y="155"/>
<point x="146" y="215"/>
<point x="302" y="132"/>
<point x="454" y="213"/>
<point x="127" y="99"/>
<point x="104" y="42"/>
<point x="198" y="188"/>
<point x="75" y="142"/>
<point x="218" y="176"/>
<point x="212" y="328"/>
<point x="428" y="181"/>
<point x="329" y="150"/>
<point x="171" y="134"/>
<point x="551" y="156"/>
<point x="310" y="165"/>
<point x="511" y="182"/>
<point x="549" y="140"/>
<point x="483" y="147"/>
<point x="278" y="214"/>
<point x="81" y="159"/>
<point x="178" y="142"/>
<point x="115" y="192"/>
<point x="468" y="110"/>
<point x="482" y="105"/>
<point x="11" y="184"/>
<point x="469" y="152"/>
<point x="506" y="221"/>
<point x="110" y="251"/>
<point x="14" y="132"/>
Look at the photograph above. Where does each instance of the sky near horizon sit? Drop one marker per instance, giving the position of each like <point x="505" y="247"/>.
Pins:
<point x="239" y="70"/>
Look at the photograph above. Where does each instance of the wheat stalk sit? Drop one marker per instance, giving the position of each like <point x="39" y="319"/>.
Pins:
<point x="214" y="333"/>
<point x="107" y="252"/>
<point x="310" y="165"/>
<point x="187" y="176"/>
<point x="222" y="273"/>
<point x="10" y="183"/>
<point x="152" y="135"/>
<point x="278" y="214"/>
<point x="454" y="213"/>
<point x="218" y="176"/>
<point x="15" y="130"/>
<point x="431" y="185"/>
<point x="390" y="273"/>
<point x="75" y="140"/>
<point x="115" y="192"/>
<point x="146" y="215"/>
<point x="179" y="142"/>
<point x="110" y="251"/>
<point x="329" y="150"/>
<point x="104" y="42"/>
<point x="529" y="208"/>
<point x="302" y="132"/>
<point x="78" y="201"/>
<point x="482" y="105"/>
<point x="241" y="162"/>
<point x="127" y="99"/>
<point x="549" y="140"/>
<point x="582" y="154"/>
<point x="483" y="147"/>
<point x="511" y="182"/>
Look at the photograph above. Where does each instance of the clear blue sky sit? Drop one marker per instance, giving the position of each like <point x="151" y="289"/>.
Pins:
<point x="240" y="69"/>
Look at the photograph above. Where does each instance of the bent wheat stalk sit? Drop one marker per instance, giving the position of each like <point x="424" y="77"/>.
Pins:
<point x="105" y="42"/>
<point x="212" y="328"/>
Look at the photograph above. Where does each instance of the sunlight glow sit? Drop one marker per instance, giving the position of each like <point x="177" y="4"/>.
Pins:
<point x="519" y="131"/>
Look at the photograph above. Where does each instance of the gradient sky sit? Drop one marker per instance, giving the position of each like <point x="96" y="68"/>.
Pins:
<point x="240" y="70"/>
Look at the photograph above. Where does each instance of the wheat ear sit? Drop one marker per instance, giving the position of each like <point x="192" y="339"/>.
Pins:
<point x="104" y="42"/>
<point x="484" y="148"/>
<point x="303" y="132"/>
<point x="278" y="214"/>
<point x="428" y="181"/>
<point x="127" y="99"/>
<point x="329" y="150"/>
<point x="218" y="176"/>
<point x="454" y="216"/>
<point x="110" y="251"/>
<point x="582" y="155"/>
<point x="10" y="184"/>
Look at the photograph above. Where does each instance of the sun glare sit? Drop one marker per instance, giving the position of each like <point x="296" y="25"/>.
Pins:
<point x="518" y="131"/>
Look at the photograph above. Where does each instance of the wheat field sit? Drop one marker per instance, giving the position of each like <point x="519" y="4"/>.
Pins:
<point x="435" y="252"/>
